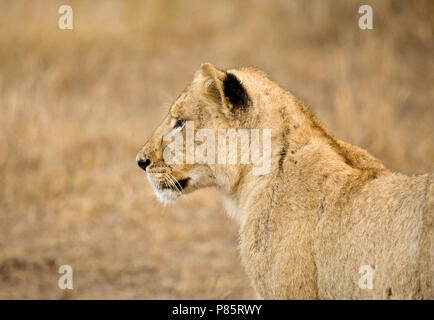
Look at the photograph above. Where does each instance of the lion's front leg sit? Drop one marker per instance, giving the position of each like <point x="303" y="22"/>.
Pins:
<point x="280" y="267"/>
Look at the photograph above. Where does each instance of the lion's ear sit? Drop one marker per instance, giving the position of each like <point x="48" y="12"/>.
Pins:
<point x="235" y="92"/>
<point x="222" y="88"/>
<point x="211" y="80"/>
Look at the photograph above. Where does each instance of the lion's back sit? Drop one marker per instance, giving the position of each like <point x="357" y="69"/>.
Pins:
<point x="387" y="227"/>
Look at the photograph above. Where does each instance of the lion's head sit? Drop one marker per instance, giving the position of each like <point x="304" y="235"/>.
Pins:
<point x="216" y="100"/>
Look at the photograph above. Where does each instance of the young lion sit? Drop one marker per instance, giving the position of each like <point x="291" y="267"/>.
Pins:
<point x="328" y="221"/>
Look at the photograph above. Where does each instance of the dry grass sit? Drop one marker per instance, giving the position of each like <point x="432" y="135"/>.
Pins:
<point x="75" y="107"/>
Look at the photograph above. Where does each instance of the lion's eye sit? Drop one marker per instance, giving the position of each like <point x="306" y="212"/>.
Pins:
<point x="179" y="123"/>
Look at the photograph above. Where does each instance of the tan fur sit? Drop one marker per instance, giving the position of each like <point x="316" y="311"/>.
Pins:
<point x="325" y="209"/>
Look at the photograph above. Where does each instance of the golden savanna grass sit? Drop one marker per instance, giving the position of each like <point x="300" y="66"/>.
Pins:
<point x="76" y="106"/>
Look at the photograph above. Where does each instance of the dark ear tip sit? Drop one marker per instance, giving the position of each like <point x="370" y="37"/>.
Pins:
<point x="235" y="91"/>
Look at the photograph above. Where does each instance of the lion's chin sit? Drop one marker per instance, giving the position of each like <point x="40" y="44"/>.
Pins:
<point x="168" y="193"/>
<point x="166" y="196"/>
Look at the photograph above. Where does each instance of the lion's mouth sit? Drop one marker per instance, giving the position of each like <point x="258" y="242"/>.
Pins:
<point x="176" y="185"/>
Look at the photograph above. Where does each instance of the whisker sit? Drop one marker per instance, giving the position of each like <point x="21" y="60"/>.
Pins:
<point x="177" y="182"/>
<point x="170" y="178"/>
<point x="167" y="181"/>
<point x="170" y="182"/>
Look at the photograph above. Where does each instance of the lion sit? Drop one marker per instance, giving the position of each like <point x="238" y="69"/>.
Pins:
<point x="328" y="221"/>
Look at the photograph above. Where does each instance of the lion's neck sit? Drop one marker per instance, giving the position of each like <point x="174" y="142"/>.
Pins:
<point x="300" y="172"/>
<point x="307" y="164"/>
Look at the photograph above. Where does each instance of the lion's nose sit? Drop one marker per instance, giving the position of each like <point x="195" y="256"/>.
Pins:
<point x="143" y="163"/>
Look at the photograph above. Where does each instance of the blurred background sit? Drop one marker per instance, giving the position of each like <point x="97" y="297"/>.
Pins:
<point x="76" y="106"/>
